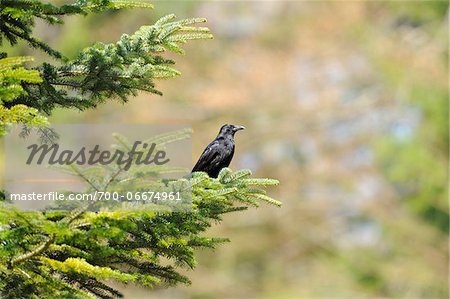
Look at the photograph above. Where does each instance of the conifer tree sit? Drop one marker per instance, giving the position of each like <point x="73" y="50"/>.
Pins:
<point x="98" y="73"/>
<point x="76" y="253"/>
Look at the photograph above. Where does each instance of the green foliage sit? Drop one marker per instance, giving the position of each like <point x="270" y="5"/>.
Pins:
<point x="12" y="76"/>
<point x="17" y="17"/>
<point x="80" y="249"/>
<point x="119" y="70"/>
<point x="100" y="72"/>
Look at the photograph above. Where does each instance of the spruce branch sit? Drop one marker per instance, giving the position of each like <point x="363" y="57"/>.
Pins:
<point x="17" y="17"/>
<point x="108" y="71"/>
<point x="12" y="77"/>
<point x="127" y="246"/>
<point x="102" y="71"/>
<point x="36" y="252"/>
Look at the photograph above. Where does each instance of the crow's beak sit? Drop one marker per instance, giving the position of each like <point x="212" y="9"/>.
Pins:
<point x="238" y="128"/>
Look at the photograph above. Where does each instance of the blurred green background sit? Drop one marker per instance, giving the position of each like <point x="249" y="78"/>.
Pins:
<point x="346" y="103"/>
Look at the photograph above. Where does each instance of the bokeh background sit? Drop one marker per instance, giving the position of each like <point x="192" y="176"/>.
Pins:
<point x="346" y="103"/>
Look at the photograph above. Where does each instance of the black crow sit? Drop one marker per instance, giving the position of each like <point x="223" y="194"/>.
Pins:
<point x="219" y="152"/>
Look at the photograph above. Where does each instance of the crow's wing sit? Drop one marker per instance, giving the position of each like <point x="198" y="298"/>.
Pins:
<point x="210" y="158"/>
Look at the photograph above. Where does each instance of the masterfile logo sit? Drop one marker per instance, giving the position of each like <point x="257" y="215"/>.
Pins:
<point x="91" y="163"/>
<point x="53" y="155"/>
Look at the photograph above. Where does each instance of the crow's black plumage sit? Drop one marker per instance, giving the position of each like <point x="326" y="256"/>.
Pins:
<point x="219" y="152"/>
